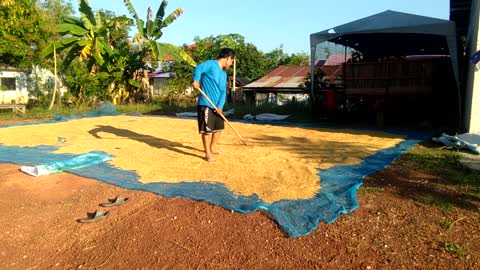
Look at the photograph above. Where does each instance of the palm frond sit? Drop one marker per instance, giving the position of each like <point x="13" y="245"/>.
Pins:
<point x="172" y="17"/>
<point x="150" y="27"/>
<point x="86" y="14"/>
<point x="99" y="19"/>
<point x="72" y="20"/>
<point x="139" y="22"/>
<point x="48" y="50"/>
<point x="122" y="20"/>
<point x="157" y="33"/>
<point x="103" y="47"/>
<point x="134" y="83"/>
<point x="71" y="29"/>
<point x="98" y="58"/>
<point x="71" y="55"/>
<point x="67" y="41"/>
<point x="160" y="13"/>
<point x="155" y="51"/>
<point x="83" y="42"/>
<point x="167" y="49"/>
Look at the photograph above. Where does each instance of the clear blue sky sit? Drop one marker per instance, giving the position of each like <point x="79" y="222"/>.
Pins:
<point x="268" y="24"/>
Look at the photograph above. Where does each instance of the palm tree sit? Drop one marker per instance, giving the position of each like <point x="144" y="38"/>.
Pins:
<point x="150" y="32"/>
<point x="86" y="37"/>
<point x="89" y="38"/>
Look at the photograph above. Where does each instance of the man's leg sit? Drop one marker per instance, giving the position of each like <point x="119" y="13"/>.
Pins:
<point x="205" y="127"/>
<point x="217" y="132"/>
<point x="213" y="144"/>
<point x="207" y="144"/>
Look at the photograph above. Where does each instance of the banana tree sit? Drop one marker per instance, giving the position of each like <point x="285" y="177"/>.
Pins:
<point x="148" y="34"/>
<point x="89" y="39"/>
<point x="86" y="37"/>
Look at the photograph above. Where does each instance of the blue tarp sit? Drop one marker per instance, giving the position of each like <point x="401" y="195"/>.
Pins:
<point x="339" y="184"/>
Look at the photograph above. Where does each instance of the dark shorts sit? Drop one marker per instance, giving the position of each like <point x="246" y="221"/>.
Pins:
<point x="208" y="120"/>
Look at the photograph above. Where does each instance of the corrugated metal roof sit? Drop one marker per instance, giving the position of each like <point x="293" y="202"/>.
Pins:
<point x="281" y="77"/>
<point x="337" y="59"/>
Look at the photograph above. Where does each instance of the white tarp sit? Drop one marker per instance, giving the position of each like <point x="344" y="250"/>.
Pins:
<point x="467" y="141"/>
<point x="266" y="117"/>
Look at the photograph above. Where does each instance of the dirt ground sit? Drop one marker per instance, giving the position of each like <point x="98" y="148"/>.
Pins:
<point x="390" y="230"/>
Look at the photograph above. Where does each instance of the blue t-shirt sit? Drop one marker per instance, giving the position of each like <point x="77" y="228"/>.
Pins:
<point x="213" y="82"/>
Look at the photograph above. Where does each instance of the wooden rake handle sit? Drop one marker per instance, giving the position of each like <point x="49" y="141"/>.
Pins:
<point x="221" y="114"/>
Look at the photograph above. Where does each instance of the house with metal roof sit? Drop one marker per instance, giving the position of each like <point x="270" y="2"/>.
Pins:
<point x="383" y="76"/>
<point x="159" y="76"/>
<point x="280" y="86"/>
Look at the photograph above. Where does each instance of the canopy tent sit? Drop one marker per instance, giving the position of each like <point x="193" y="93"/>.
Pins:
<point x="392" y="33"/>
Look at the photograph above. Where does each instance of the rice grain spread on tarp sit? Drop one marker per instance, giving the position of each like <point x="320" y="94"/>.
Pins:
<point x="280" y="167"/>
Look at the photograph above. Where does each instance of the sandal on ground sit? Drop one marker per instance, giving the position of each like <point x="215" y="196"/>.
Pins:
<point x="114" y="202"/>
<point x="93" y="217"/>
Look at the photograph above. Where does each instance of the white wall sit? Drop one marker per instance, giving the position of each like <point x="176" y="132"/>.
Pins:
<point x="20" y="94"/>
<point x="472" y="95"/>
<point x="44" y="76"/>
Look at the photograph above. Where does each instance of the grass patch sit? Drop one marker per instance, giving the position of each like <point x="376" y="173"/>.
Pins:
<point x="446" y="164"/>
<point x="443" y="204"/>
<point x="445" y="224"/>
<point x="368" y="190"/>
<point x="39" y="113"/>
<point x="453" y="248"/>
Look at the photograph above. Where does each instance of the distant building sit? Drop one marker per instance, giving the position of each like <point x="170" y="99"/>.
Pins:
<point x="280" y="86"/>
<point x="159" y="77"/>
<point x="238" y="94"/>
<point x="13" y="85"/>
<point x="17" y="86"/>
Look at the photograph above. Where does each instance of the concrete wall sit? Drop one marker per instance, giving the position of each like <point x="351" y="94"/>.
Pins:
<point x="18" y="95"/>
<point x="472" y="94"/>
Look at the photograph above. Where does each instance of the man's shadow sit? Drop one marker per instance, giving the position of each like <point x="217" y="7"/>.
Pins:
<point x="150" y="140"/>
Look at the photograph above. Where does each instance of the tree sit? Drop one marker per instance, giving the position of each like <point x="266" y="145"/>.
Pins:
<point x="275" y="58"/>
<point x="84" y="88"/>
<point x="86" y="37"/>
<point x="182" y="79"/>
<point x="149" y="33"/>
<point x="316" y="97"/>
<point x="101" y="41"/>
<point x="120" y="67"/>
<point x="26" y="26"/>
<point x="250" y="60"/>
<point x="299" y="59"/>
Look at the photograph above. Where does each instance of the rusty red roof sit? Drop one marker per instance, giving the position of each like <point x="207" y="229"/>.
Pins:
<point x="281" y="77"/>
<point x="337" y="59"/>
